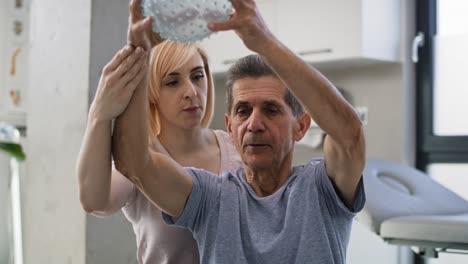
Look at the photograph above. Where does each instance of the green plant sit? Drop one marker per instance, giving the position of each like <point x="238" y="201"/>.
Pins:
<point x="9" y="141"/>
<point x="13" y="149"/>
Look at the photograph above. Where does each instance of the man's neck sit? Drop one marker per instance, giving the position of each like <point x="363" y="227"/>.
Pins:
<point x="267" y="181"/>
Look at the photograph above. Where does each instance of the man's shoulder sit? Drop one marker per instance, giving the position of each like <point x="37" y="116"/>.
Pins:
<point x="223" y="176"/>
<point x="199" y="172"/>
<point x="310" y="172"/>
<point x="313" y="164"/>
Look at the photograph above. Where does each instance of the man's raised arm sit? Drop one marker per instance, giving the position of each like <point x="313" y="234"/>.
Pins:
<point x="344" y="146"/>
<point x="160" y="178"/>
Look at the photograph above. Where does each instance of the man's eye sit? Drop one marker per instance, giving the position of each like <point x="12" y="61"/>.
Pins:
<point x="242" y="111"/>
<point x="272" y="110"/>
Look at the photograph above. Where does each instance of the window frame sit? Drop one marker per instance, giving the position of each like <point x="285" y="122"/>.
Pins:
<point x="431" y="148"/>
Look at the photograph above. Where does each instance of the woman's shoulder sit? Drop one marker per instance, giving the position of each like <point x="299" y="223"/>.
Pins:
<point x="221" y="133"/>
<point x="224" y="140"/>
<point x="230" y="159"/>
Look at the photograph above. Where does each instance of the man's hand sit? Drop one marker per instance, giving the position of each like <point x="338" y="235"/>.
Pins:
<point x="248" y="24"/>
<point x="140" y="32"/>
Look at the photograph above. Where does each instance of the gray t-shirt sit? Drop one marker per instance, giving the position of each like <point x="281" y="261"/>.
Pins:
<point x="305" y="221"/>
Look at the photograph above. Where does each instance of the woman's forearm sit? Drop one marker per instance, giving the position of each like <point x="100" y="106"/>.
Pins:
<point x="94" y="165"/>
<point x="100" y="190"/>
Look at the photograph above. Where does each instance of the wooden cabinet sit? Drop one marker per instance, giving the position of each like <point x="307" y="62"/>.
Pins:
<point x="330" y="33"/>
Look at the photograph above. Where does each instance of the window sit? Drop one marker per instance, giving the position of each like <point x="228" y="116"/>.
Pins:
<point x="442" y="96"/>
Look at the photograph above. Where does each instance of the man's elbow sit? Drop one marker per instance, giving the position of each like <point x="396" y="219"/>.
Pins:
<point x="350" y="139"/>
<point x="355" y="143"/>
<point x="131" y="170"/>
<point x="121" y="165"/>
<point x="129" y="161"/>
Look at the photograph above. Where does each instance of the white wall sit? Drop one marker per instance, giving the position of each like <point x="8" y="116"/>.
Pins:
<point x="108" y="34"/>
<point x="3" y="36"/>
<point x="5" y="215"/>
<point x="53" y="221"/>
<point x="4" y="161"/>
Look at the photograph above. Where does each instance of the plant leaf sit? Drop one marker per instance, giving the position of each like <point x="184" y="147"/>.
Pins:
<point x="14" y="150"/>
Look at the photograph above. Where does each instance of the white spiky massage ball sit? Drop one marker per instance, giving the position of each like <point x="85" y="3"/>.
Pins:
<point x="184" y="20"/>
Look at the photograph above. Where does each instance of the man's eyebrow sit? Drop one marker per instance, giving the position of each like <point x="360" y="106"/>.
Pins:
<point x="194" y="69"/>
<point x="272" y="103"/>
<point x="241" y="103"/>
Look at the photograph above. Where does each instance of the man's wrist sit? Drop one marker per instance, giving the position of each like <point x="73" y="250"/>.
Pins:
<point x="269" y="46"/>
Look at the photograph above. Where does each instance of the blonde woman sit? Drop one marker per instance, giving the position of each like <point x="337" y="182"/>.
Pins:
<point x="180" y="101"/>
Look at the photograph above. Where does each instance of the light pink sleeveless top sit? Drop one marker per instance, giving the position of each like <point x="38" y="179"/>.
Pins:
<point x="159" y="243"/>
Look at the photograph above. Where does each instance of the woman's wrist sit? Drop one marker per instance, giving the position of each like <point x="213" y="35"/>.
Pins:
<point x="96" y="117"/>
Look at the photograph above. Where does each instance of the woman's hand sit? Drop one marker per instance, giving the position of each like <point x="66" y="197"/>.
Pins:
<point x="140" y="32"/>
<point x="119" y="79"/>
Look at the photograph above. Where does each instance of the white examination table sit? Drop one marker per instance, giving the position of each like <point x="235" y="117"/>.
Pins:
<point x="406" y="207"/>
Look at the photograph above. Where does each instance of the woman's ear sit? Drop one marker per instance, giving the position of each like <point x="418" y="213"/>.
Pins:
<point x="303" y="124"/>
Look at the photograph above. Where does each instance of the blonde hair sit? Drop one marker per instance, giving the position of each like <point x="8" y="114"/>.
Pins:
<point x="164" y="59"/>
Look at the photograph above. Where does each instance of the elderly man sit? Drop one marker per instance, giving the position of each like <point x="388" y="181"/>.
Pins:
<point x="269" y="211"/>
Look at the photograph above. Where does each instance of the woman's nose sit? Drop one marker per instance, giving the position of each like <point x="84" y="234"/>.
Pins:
<point x="190" y="90"/>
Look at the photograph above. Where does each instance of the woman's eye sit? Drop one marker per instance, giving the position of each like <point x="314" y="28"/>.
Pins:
<point x="199" y="76"/>
<point x="172" y="83"/>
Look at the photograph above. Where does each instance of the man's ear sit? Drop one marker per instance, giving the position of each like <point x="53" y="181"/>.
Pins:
<point x="227" y="121"/>
<point x="303" y="124"/>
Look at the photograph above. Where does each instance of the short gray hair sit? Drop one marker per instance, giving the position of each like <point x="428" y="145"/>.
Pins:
<point x="253" y="66"/>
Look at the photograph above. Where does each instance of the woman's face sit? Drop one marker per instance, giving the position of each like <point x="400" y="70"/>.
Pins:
<point x="182" y="98"/>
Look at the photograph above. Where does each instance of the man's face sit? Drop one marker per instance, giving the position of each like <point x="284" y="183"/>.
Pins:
<point x="261" y="124"/>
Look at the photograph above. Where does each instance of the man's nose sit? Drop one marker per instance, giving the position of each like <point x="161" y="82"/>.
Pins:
<point x="256" y="122"/>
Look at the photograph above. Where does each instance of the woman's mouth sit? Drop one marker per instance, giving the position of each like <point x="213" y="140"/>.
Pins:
<point x="192" y="109"/>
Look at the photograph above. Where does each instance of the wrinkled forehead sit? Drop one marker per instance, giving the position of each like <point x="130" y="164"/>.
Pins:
<point x="258" y="90"/>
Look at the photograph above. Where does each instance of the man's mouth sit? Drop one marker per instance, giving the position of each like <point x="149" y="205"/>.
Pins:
<point x="256" y="145"/>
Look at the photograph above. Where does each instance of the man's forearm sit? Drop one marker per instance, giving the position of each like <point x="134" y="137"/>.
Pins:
<point x="319" y="97"/>
<point x="130" y="137"/>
